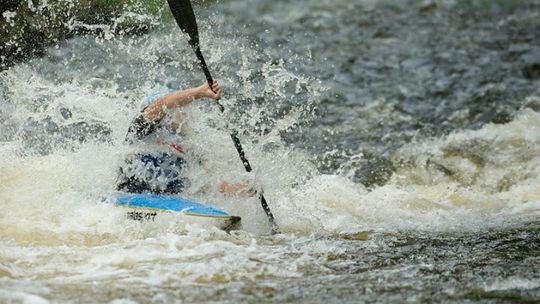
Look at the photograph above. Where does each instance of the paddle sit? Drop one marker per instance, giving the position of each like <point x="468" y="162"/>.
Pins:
<point x="185" y="18"/>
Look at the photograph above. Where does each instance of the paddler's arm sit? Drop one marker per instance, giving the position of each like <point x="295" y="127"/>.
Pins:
<point x="158" y="108"/>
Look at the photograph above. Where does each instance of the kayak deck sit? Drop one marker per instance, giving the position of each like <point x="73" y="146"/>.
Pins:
<point x="147" y="207"/>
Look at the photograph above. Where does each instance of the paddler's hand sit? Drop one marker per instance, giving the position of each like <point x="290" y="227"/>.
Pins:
<point x="237" y="189"/>
<point x="205" y="91"/>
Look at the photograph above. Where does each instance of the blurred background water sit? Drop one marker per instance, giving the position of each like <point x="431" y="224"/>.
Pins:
<point x="398" y="144"/>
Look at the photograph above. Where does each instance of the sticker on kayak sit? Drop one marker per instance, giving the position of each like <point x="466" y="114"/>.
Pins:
<point x="141" y="216"/>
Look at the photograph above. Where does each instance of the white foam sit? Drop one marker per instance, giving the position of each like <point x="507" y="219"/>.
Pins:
<point x="513" y="283"/>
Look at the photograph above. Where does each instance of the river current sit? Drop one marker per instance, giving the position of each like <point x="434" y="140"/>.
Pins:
<point x="397" y="143"/>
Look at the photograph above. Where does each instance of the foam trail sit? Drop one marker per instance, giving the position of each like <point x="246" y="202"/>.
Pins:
<point x="467" y="180"/>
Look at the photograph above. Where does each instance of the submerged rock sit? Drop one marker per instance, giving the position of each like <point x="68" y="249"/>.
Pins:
<point x="531" y="71"/>
<point x="27" y="28"/>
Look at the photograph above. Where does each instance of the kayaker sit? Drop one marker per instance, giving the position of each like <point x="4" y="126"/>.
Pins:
<point x="157" y="166"/>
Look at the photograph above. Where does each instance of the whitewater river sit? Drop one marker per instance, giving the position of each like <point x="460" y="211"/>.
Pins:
<point x="397" y="142"/>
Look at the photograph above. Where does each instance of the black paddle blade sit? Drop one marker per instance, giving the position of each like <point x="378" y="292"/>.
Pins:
<point x="184" y="16"/>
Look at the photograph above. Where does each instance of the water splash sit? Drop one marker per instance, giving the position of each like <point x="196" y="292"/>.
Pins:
<point x="58" y="242"/>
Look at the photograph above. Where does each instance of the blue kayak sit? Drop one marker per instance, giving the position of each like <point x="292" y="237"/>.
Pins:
<point x="152" y="204"/>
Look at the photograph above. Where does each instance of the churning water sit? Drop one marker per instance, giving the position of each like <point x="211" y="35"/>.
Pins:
<point x="397" y="142"/>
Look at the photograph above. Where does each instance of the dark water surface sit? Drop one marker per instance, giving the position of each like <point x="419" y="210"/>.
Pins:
<point x="398" y="144"/>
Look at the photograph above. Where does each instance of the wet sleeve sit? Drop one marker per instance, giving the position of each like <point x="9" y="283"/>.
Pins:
<point x="140" y="128"/>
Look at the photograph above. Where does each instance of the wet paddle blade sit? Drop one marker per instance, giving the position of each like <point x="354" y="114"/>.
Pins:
<point x="184" y="16"/>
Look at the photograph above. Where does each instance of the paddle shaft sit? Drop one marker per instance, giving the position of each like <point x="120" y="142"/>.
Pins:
<point x="234" y="137"/>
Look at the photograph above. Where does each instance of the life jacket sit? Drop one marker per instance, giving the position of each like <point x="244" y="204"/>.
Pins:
<point x="158" y="162"/>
